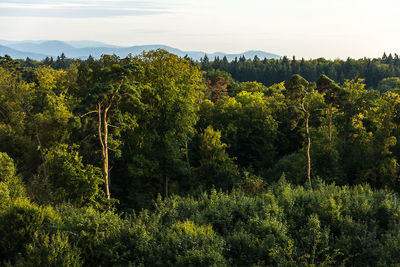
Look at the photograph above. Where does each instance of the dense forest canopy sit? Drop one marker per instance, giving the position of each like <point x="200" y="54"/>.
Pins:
<point x="271" y="71"/>
<point x="160" y="160"/>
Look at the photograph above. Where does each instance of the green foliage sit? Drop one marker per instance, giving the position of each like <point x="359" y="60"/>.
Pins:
<point x="270" y="71"/>
<point x="157" y="151"/>
<point x="164" y="135"/>
<point x="328" y="225"/>
<point x="251" y="87"/>
<point x="389" y="84"/>
<point x="70" y="180"/>
<point x="10" y="183"/>
<point x="54" y="250"/>
<point x="170" y="89"/>
<point x="19" y="222"/>
<point x="96" y="234"/>
<point x="325" y="156"/>
<point x="216" y="167"/>
<point x="247" y="125"/>
<point x="106" y="238"/>
<point x="186" y="244"/>
<point x="332" y="91"/>
<point x="219" y="84"/>
<point x="215" y="74"/>
<point x="7" y="168"/>
<point x="292" y="166"/>
<point x="297" y="88"/>
<point x="252" y="184"/>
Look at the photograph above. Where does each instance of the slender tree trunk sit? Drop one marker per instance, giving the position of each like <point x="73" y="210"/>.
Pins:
<point x="104" y="148"/>
<point x="308" y="143"/>
<point x="330" y="124"/>
<point x="308" y="151"/>
<point x="187" y="157"/>
<point x="103" y="136"/>
<point x="105" y="160"/>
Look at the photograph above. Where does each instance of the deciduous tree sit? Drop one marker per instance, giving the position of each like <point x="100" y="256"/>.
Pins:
<point x="298" y="91"/>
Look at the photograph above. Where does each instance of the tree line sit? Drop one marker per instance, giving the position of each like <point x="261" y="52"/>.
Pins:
<point x="271" y="71"/>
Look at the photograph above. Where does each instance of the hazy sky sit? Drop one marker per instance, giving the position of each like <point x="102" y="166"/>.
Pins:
<point x="304" y="28"/>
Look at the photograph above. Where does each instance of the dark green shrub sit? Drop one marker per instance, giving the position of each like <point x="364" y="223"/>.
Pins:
<point x="187" y="244"/>
<point x="52" y="251"/>
<point x="106" y="238"/>
<point x="216" y="167"/>
<point x="11" y="185"/>
<point x="71" y="180"/>
<point x="18" y="224"/>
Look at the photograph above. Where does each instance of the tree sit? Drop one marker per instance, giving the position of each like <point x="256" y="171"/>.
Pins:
<point x="298" y="91"/>
<point x="332" y="94"/>
<point x="356" y="127"/>
<point x="247" y="125"/>
<point x="171" y="88"/>
<point x="216" y="167"/>
<point x="108" y="80"/>
<point x="33" y="115"/>
<point x="248" y="87"/>
<point x="71" y="180"/>
<point x="218" y="90"/>
<point x="219" y="80"/>
<point x="389" y="84"/>
<point x="18" y="224"/>
<point x="205" y="63"/>
<point x="9" y="180"/>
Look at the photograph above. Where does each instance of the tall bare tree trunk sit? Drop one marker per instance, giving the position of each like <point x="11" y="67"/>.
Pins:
<point x="104" y="148"/>
<point x="308" y="150"/>
<point x="330" y="124"/>
<point x="103" y="136"/>
<point x="187" y="157"/>
<point x="105" y="160"/>
<point x="308" y="144"/>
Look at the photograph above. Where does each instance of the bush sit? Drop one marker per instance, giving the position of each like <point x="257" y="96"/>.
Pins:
<point x="294" y="225"/>
<point x="9" y="180"/>
<point x="216" y="167"/>
<point x="18" y="224"/>
<point x="106" y="238"/>
<point x="7" y="168"/>
<point x="52" y="251"/>
<point x="187" y="244"/>
<point x="69" y="179"/>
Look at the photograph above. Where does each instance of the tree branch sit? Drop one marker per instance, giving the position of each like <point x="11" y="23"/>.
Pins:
<point x="88" y="113"/>
<point x="112" y="126"/>
<point x="112" y="98"/>
<point x="100" y="135"/>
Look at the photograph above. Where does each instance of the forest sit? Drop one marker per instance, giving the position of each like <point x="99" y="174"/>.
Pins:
<point x="157" y="160"/>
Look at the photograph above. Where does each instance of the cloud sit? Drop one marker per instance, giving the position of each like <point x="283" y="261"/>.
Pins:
<point x="86" y="2"/>
<point x="81" y="9"/>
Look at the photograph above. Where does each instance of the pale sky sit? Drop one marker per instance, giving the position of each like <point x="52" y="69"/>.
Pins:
<point x="304" y="28"/>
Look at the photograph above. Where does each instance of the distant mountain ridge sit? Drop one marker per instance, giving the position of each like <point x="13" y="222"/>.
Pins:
<point x="4" y="50"/>
<point x="82" y="49"/>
